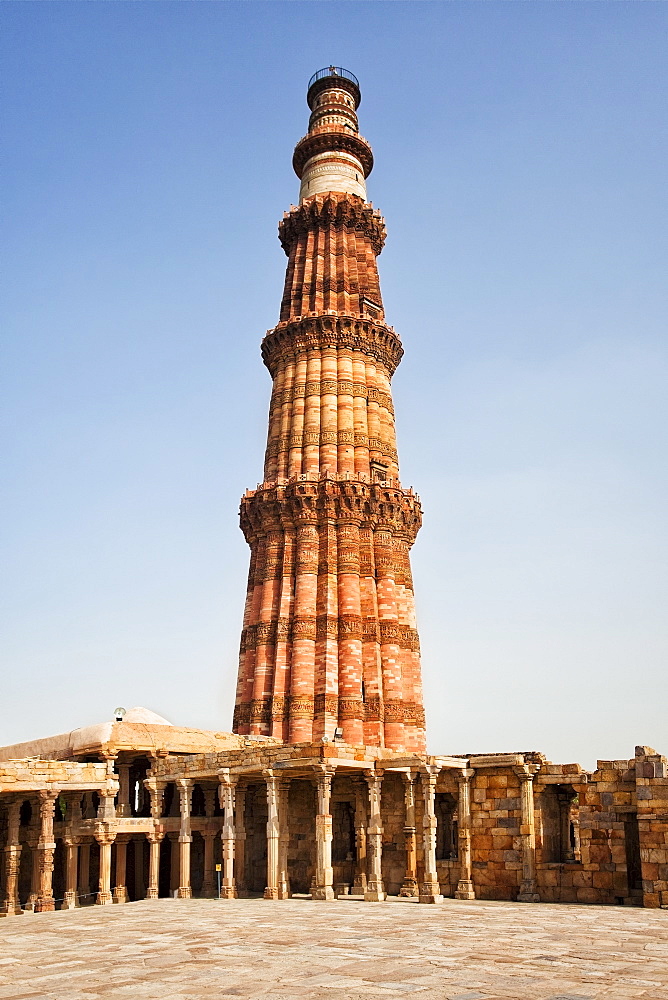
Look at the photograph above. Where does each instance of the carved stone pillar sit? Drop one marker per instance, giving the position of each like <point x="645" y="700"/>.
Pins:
<point x="123" y="808"/>
<point x="239" y="854"/>
<point x="154" y="840"/>
<point x="11" y="904"/>
<point x="88" y="811"/>
<point x="528" y="889"/>
<point x="323" y="887"/>
<point x="84" y="871"/>
<point x="283" y="839"/>
<point x="105" y="839"/>
<point x="375" y="890"/>
<point x="45" y="849"/>
<point x="184" y="786"/>
<point x="34" y="874"/>
<point x="410" y="885"/>
<point x="120" y="889"/>
<point x="361" y="795"/>
<point x="226" y="797"/>
<point x="156" y="790"/>
<point x="430" y="890"/>
<point x="71" y="900"/>
<point x="106" y="810"/>
<point x="209" y="880"/>
<point x="271" y="890"/>
<point x="465" y="889"/>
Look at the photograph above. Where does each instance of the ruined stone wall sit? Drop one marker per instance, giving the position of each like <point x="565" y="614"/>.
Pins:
<point x="496" y="837"/>
<point x="652" y="806"/>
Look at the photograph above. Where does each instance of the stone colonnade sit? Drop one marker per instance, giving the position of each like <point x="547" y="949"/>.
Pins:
<point x="110" y="828"/>
<point x="367" y="862"/>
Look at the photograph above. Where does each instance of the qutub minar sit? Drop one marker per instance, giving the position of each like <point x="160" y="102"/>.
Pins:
<point x="329" y="639"/>
<point x="324" y="788"/>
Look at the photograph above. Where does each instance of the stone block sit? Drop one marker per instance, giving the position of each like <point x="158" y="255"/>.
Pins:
<point x="587" y="895"/>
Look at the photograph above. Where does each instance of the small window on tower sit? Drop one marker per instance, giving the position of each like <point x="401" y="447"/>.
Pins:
<point x="378" y="472"/>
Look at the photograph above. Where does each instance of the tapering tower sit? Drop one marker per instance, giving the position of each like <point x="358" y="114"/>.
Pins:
<point x="329" y="639"/>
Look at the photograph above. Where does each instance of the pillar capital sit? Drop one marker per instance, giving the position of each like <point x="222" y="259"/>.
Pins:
<point x="156" y="789"/>
<point x="104" y="835"/>
<point x="107" y="810"/>
<point x="526" y="772"/>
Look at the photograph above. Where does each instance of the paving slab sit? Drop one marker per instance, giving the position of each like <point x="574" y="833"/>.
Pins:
<point x="300" y="949"/>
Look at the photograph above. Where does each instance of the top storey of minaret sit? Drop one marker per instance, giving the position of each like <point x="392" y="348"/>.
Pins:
<point x="333" y="156"/>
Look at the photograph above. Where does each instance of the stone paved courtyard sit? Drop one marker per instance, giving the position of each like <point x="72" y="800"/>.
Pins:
<point x="344" y="950"/>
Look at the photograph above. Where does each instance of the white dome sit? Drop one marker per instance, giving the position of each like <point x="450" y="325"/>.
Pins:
<point x="145" y="716"/>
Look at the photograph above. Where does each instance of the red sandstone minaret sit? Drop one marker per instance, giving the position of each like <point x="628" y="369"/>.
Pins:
<point x="329" y="639"/>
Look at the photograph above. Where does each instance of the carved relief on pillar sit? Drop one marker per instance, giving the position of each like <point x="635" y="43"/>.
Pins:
<point x="156" y="790"/>
<point x="361" y="823"/>
<point x="323" y="886"/>
<point x="409" y="886"/>
<point x="227" y="789"/>
<point x="273" y="832"/>
<point x="430" y="890"/>
<point x="185" y="788"/>
<point x="155" y="839"/>
<point x="375" y="888"/>
<point x="45" y="849"/>
<point x="283" y="838"/>
<point x="120" y="892"/>
<point x="465" y="888"/>
<point x="105" y="838"/>
<point x="528" y="889"/>
<point x="12" y="855"/>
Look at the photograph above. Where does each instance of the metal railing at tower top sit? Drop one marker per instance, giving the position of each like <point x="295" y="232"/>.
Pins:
<point x="333" y="71"/>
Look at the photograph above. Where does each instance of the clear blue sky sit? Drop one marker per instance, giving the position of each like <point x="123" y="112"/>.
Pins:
<point x="520" y="164"/>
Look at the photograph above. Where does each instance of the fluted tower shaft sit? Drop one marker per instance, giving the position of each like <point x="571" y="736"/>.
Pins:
<point x="329" y="639"/>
